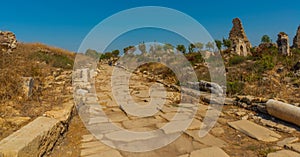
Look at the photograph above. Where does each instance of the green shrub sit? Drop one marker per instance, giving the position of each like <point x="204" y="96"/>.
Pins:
<point x="296" y="51"/>
<point x="236" y="60"/>
<point x="55" y="60"/>
<point x="235" y="87"/>
<point x="106" y="55"/>
<point x="265" y="63"/>
<point x="194" y="57"/>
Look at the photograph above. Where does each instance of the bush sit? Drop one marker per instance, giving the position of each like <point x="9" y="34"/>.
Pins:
<point x="194" y="58"/>
<point x="234" y="87"/>
<point x="55" y="60"/>
<point x="296" y="51"/>
<point x="236" y="60"/>
<point x="267" y="62"/>
<point x="106" y="55"/>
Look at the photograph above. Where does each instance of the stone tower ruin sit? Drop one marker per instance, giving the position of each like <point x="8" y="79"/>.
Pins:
<point x="296" y="42"/>
<point x="283" y="44"/>
<point x="240" y="43"/>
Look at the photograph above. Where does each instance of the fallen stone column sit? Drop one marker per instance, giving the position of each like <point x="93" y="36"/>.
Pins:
<point x="284" y="111"/>
<point x="206" y="86"/>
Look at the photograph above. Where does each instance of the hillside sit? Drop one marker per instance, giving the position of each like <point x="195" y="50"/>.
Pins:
<point x="34" y="79"/>
<point x="269" y="75"/>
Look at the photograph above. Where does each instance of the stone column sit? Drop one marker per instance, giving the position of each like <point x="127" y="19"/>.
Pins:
<point x="284" y="111"/>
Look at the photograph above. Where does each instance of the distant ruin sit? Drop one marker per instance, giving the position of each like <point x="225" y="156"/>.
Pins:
<point x="8" y="41"/>
<point x="296" y="41"/>
<point x="240" y="43"/>
<point x="283" y="44"/>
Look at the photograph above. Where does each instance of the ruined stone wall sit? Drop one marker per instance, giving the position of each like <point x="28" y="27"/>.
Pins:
<point x="296" y="42"/>
<point x="283" y="44"/>
<point x="8" y="41"/>
<point x="240" y="43"/>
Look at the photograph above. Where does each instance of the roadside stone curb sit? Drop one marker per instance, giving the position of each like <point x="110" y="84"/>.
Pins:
<point x="39" y="136"/>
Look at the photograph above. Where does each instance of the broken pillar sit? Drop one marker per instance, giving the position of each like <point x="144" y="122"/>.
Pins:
<point x="284" y="111"/>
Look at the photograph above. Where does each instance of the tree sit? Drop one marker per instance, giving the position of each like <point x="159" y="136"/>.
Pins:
<point x="191" y="48"/>
<point x="227" y="43"/>
<point x="158" y="47"/>
<point x="168" y="46"/>
<point x="115" y="53"/>
<point x="219" y="44"/>
<point x="142" y="48"/>
<point x="210" y="45"/>
<point x="181" y="48"/>
<point x="199" y="46"/>
<point x="129" y="49"/>
<point x="265" y="39"/>
<point x="92" y="53"/>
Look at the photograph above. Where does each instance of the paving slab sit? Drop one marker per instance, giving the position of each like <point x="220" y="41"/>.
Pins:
<point x="208" y="140"/>
<point x="88" y="138"/>
<point x="255" y="131"/>
<point x="108" y="153"/>
<point x="129" y="136"/>
<point x="142" y="122"/>
<point x="209" y="152"/>
<point x="284" y="153"/>
<point x="294" y="146"/>
<point x="288" y="140"/>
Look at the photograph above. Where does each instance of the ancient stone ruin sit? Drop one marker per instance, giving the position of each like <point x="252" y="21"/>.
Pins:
<point x="8" y="41"/>
<point x="240" y="43"/>
<point x="283" y="44"/>
<point x="296" y="42"/>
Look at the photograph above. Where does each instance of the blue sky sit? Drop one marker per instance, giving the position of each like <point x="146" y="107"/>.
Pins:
<point x="66" y="23"/>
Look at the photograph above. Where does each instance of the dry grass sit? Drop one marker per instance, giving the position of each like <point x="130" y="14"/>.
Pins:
<point x="43" y="47"/>
<point x="249" y="75"/>
<point x="22" y="62"/>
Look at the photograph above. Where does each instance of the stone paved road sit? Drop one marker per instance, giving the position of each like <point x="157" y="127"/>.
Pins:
<point x="222" y="140"/>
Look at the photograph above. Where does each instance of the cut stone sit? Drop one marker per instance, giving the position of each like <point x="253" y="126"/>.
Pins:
<point x="108" y="153"/>
<point x="34" y="139"/>
<point x="62" y="114"/>
<point x="195" y="125"/>
<point x="208" y="140"/>
<point x="117" y="117"/>
<point x="97" y="120"/>
<point x="284" y="153"/>
<point x="138" y="123"/>
<point x="94" y="144"/>
<point x="255" y="131"/>
<point x="218" y="131"/>
<point x="294" y="147"/>
<point x="18" y="120"/>
<point x="284" y="111"/>
<point x="175" y="126"/>
<point x="129" y="136"/>
<point x="88" y="138"/>
<point x="179" y="116"/>
<point x="209" y="152"/>
<point x="287" y="141"/>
